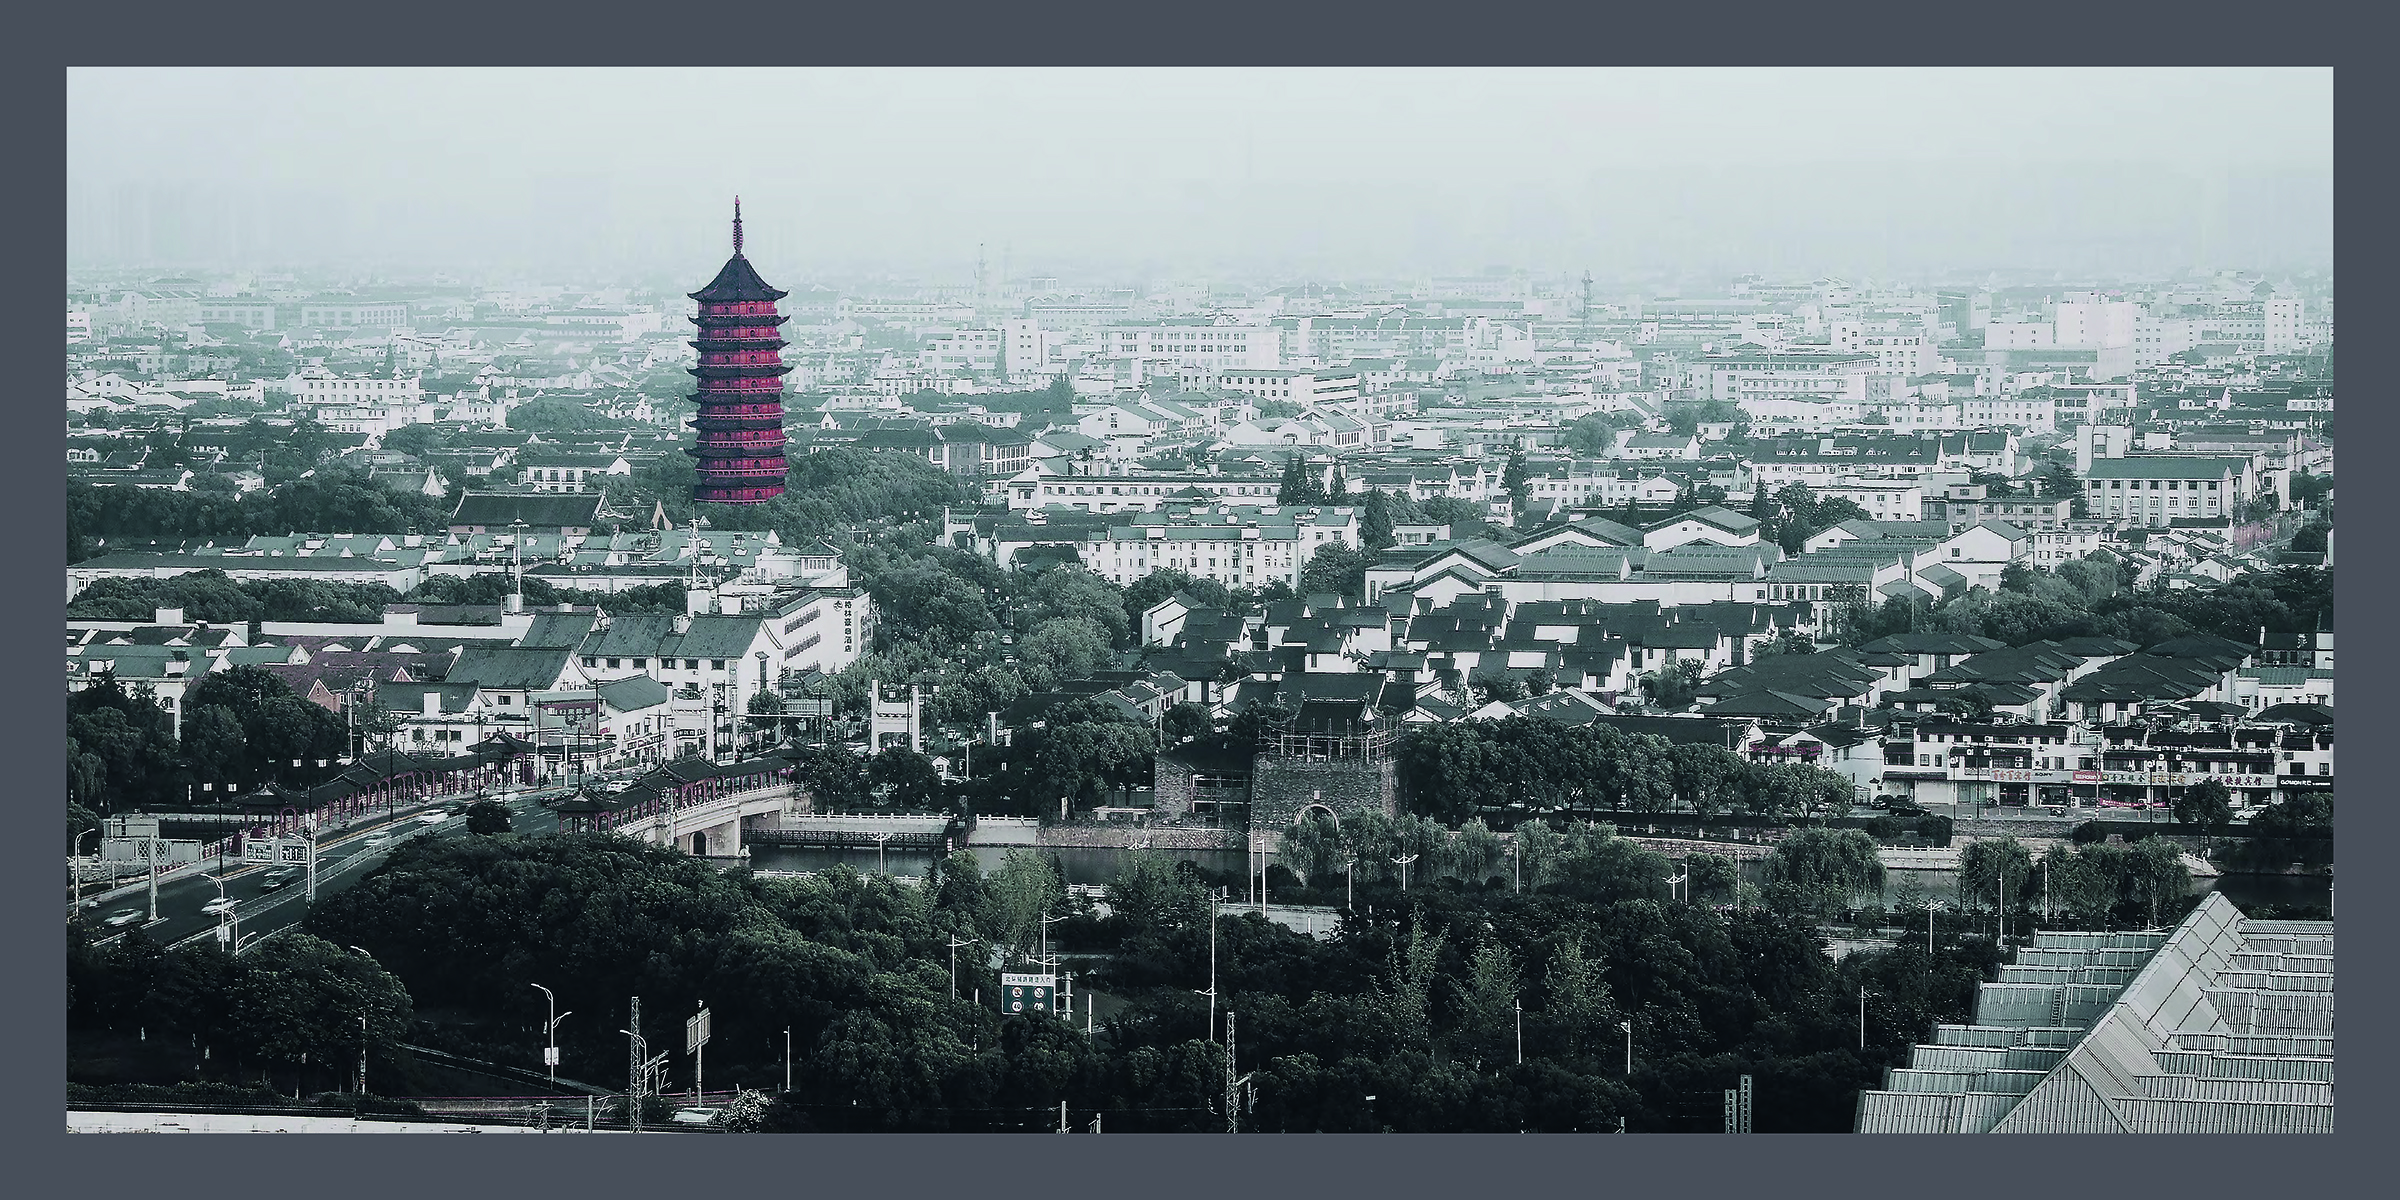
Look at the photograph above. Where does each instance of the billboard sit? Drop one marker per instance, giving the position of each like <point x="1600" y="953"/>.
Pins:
<point x="1021" y="994"/>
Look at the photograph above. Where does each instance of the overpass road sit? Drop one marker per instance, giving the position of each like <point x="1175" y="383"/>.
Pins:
<point x="341" y="861"/>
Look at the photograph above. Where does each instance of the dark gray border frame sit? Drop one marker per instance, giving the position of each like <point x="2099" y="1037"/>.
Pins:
<point x="1114" y="34"/>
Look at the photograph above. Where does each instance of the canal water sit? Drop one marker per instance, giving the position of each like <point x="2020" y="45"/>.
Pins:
<point x="1098" y="866"/>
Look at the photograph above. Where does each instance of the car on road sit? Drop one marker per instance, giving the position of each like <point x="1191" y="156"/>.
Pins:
<point x="122" y="918"/>
<point x="695" y="1116"/>
<point x="277" y="879"/>
<point x="377" y="841"/>
<point x="221" y="904"/>
<point x="432" y="818"/>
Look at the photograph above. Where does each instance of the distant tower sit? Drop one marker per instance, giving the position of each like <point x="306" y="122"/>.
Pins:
<point x="739" y="452"/>
<point x="1587" y="307"/>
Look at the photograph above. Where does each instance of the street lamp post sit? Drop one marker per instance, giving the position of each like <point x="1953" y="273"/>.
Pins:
<point x="1516" y="865"/>
<point x="1047" y="921"/>
<point x="1627" y="1026"/>
<point x="550" y="1033"/>
<point x="1930" y="905"/>
<point x="1403" y="862"/>
<point x="75" y="871"/>
<point x="362" y="1018"/>
<point x="2000" y="914"/>
<point x="761" y="656"/>
<point x="880" y="839"/>
<point x="223" y="937"/>
<point x="1350" y="883"/>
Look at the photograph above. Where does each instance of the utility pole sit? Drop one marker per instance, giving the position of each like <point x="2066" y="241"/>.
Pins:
<point x="635" y="1068"/>
<point x="1862" y="1016"/>
<point x="955" y="943"/>
<point x="1062" y="1116"/>
<point x="1212" y="970"/>
<point x="1233" y="1118"/>
<point x="787" y="1043"/>
<point x="1519" y="1006"/>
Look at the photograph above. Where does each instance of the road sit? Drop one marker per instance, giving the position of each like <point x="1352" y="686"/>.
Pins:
<point x="341" y="861"/>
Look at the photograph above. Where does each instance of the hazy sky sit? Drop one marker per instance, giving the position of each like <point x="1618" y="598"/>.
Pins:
<point x="1153" y="173"/>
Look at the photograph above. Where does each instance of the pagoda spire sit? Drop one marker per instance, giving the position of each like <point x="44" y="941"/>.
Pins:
<point x="737" y="225"/>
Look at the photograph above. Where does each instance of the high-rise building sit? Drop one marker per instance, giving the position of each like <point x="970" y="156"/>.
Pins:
<point x="739" y="451"/>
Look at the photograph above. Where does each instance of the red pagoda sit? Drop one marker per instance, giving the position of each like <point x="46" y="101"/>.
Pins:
<point x="740" y="449"/>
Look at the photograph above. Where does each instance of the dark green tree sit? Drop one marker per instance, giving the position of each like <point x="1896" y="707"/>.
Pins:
<point x="1375" y="523"/>
<point x="1336" y="569"/>
<point x="1816" y="872"/>
<point x="486" y="817"/>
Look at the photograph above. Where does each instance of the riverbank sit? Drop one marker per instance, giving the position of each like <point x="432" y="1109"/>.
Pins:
<point x="1127" y="837"/>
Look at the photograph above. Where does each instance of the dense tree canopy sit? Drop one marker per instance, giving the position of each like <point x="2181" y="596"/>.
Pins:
<point x="2091" y="597"/>
<point x="342" y="501"/>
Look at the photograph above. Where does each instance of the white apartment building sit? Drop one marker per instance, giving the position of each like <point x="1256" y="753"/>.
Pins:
<point x="1884" y="499"/>
<point x="1746" y="378"/>
<point x="1045" y="486"/>
<point x="2019" y="334"/>
<point x="1199" y="342"/>
<point x="607" y="324"/>
<point x="2284" y="331"/>
<point x="1896" y="352"/>
<point x="1242" y="547"/>
<point x="978" y="350"/>
<point x="1912" y="413"/>
<point x="2070" y="541"/>
<point x="317" y="387"/>
<point x="2091" y="319"/>
<point x="1588" y="483"/>
<point x="2159" y="338"/>
<point x="824" y="628"/>
<point x="354" y="314"/>
<point x="1303" y="387"/>
<point x="1029" y="351"/>
<point x="2155" y="489"/>
<point x="2028" y="411"/>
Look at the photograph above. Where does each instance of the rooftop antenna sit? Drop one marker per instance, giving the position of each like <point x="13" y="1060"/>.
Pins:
<point x="737" y="226"/>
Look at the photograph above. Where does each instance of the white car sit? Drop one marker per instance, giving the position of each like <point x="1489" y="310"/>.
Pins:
<point x="122" y="918"/>
<point x="695" y="1116"/>
<point x="432" y="818"/>
<point x="221" y="904"/>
